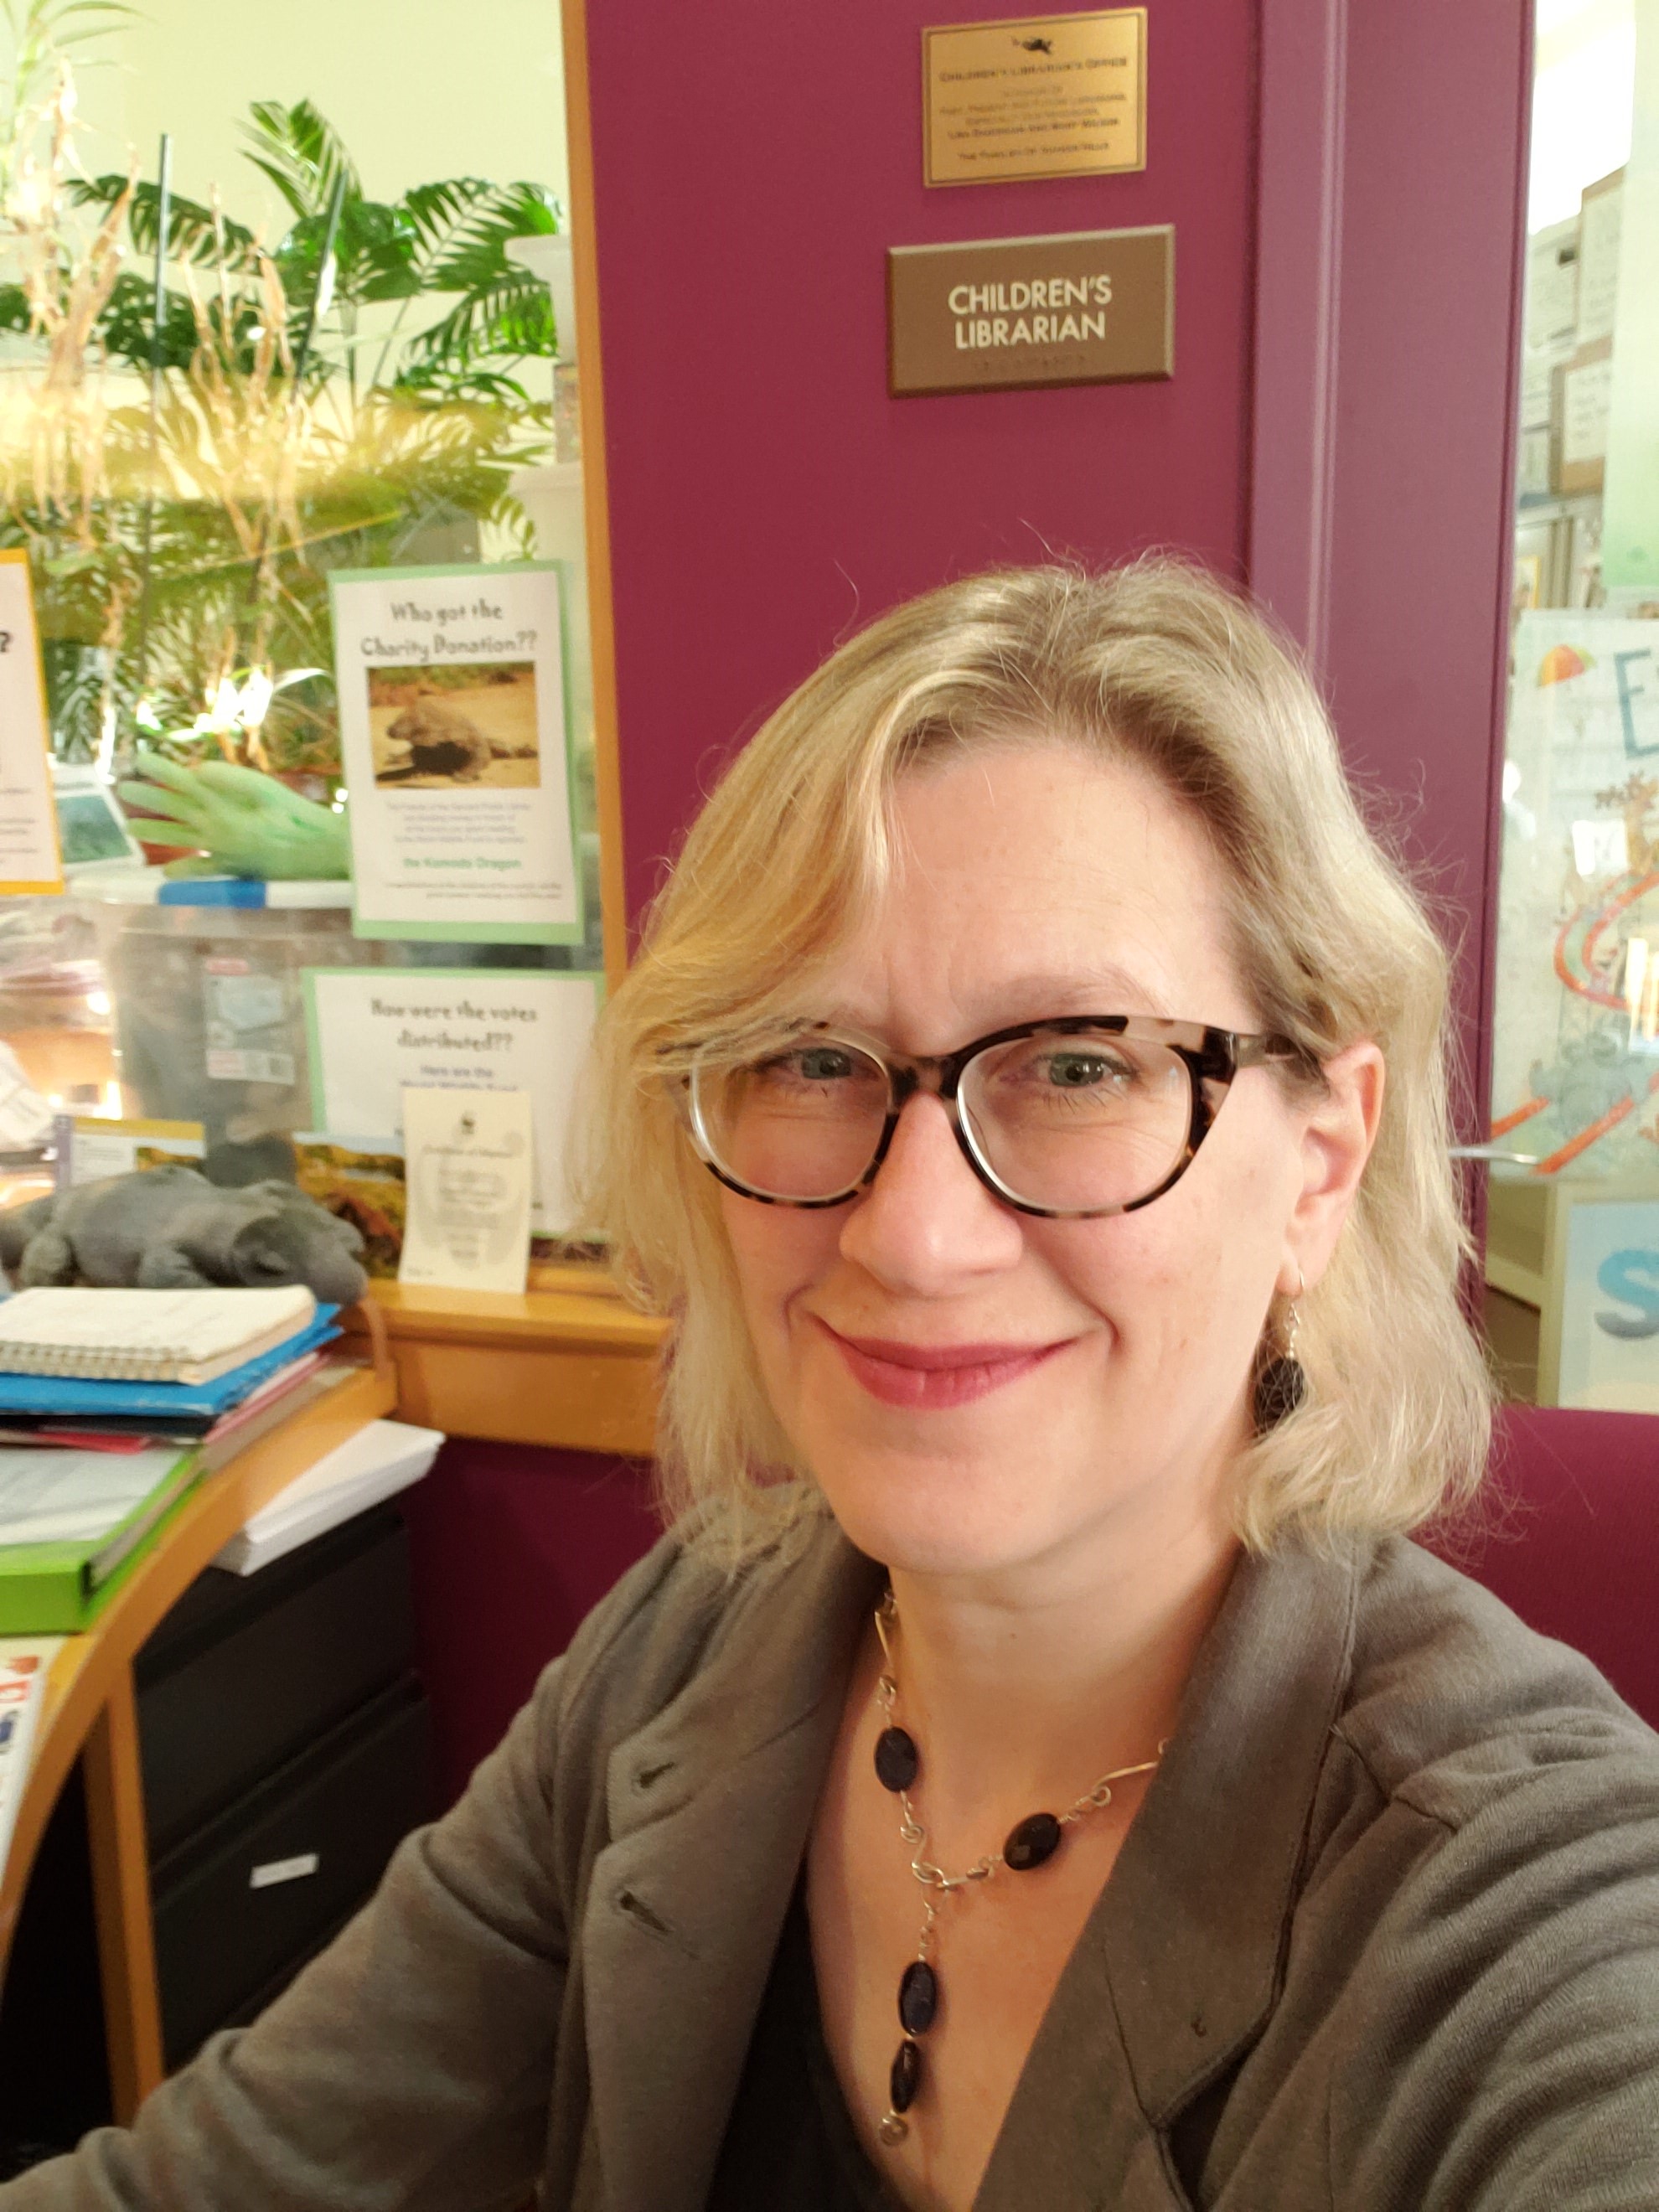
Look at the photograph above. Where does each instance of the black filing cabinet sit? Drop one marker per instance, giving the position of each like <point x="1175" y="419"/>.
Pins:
<point x="287" y="1750"/>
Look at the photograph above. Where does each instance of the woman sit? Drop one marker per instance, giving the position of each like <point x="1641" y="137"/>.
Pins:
<point x="1034" y="1771"/>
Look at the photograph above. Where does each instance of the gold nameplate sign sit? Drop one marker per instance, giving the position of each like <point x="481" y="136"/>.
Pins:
<point x="1037" y="96"/>
<point x="1089" y="307"/>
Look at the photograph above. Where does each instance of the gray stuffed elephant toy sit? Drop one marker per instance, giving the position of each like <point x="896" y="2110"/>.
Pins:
<point x="169" y="1228"/>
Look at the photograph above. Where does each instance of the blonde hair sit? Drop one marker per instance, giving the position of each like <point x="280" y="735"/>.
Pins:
<point x="1155" y="664"/>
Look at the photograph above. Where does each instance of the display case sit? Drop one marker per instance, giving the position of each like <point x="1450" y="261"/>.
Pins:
<point x="1572" y="1267"/>
<point x="313" y="339"/>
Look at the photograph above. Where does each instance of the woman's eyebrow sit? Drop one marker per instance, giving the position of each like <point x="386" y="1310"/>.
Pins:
<point x="1104" y="988"/>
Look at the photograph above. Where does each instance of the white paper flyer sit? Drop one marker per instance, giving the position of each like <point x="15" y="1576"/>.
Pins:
<point x="28" y="825"/>
<point x="455" y="744"/>
<point x="467" y="1156"/>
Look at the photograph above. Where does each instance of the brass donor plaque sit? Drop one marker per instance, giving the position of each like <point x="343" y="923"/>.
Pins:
<point x="1089" y="307"/>
<point x="1036" y="96"/>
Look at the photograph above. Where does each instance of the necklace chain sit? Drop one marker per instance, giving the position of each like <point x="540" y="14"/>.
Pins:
<point x="937" y="1885"/>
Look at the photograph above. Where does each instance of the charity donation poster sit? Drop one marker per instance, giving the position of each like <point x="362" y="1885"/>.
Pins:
<point x="378" y="1031"/>
<point x="28" y="825"/>
<point x="1575" y="1027"/>
<point x="455" y="747"/>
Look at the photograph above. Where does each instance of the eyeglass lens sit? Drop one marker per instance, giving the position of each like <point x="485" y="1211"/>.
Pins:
<point x="1070" y="1120"/>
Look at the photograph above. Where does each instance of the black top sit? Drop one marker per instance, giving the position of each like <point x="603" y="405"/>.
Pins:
<point x="789" y="2143"/>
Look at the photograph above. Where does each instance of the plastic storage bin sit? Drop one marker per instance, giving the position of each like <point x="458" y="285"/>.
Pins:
<point x="208" y="1004"/>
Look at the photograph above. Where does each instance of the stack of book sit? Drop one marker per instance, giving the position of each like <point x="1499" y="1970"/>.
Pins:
<point x="113" y="1405"/>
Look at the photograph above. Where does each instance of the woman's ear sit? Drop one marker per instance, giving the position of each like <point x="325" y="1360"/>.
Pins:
<point x="1338" y="1132"/>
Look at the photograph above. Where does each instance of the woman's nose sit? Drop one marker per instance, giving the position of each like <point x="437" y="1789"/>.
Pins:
<point x="927" y="1223"/>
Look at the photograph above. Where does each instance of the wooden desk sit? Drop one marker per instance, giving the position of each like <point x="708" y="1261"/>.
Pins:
<point x="566" y="1363"/>
<point x="89" y="1709"/>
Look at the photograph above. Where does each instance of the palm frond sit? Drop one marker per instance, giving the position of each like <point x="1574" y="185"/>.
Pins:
<point x="300" y="152"/>
<point x="463" y="229"/>
<point x="464" y="222"/>
<point x="193" y="232"/>
<point x="127" y="326"/>
<point x="511" y="316"/>
<point x="41" y="28"/>
<point x="64" y="22"/>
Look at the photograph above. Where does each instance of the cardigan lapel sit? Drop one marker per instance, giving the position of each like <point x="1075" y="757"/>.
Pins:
<point x="1179" y="1965"/>
<point x="709" y="1807"/>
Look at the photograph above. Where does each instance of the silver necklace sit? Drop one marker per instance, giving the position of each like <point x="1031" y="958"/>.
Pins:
<point x="1031" y="1843"/>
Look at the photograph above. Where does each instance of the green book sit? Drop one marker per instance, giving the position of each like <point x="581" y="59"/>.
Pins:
<point x="73" y="1522"/>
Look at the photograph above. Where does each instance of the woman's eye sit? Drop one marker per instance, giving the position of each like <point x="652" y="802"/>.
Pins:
<point x="1081" y="1071"/>
<point x="807" y="1064"/>
<point x="822" y="1064"/>
<point x="1076" y="1071"/>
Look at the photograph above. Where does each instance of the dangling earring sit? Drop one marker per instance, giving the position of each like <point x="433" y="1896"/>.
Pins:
<point x="1281" y="1381"/>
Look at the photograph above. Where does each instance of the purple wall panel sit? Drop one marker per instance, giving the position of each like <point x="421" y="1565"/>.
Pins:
<point x="753" y="162"/>
<point x="1424" y="485"/>
<point x="1567" y="1533"/>
<point x="1393" y="169"/>
<point x="512" y="1544"/>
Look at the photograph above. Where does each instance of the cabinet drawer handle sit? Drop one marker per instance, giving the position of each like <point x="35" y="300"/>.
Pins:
<point x="275" y="1870"/>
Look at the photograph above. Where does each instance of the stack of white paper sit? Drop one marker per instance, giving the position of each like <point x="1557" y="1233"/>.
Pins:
<point x="378" y="1461"/>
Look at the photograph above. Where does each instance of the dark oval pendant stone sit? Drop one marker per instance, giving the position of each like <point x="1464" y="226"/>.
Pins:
<point x="918" y="1997"/>
<point x="906" y="2077"/>
<point x="1034" y="1841"/>
<point x="897" y="1760"/>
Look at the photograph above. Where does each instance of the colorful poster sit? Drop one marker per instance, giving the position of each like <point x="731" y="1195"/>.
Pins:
<point x="455" y="744"/>
<point x="25" y="1666"/>
<point x="377" y="1031"/>
<point x="101" y="1144"/>
<point x="1609" y="1354"/>
<point x="28" y="825"/>
<point x="1576" y="1029"/>
<point x="361" y="1179"/>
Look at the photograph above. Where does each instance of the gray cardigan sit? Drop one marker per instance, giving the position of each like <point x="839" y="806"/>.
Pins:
<point x="1384" y="1936"/>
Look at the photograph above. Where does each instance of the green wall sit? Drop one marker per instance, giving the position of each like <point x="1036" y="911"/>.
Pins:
<point x="417" y="89"/>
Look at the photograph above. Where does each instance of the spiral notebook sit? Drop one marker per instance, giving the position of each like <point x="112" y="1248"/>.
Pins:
<point x="147" y="1336"/>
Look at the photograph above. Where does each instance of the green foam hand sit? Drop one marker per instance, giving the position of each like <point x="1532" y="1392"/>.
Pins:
<point x="245" y="823"/>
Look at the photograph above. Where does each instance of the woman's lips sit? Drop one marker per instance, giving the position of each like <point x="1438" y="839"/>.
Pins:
<point x="925" y="1376"/>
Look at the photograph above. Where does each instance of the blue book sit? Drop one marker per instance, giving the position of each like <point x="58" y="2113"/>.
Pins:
<point x="64" y="1394"/>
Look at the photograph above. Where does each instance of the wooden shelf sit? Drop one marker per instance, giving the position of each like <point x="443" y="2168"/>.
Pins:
<point x="565" y="1362"/>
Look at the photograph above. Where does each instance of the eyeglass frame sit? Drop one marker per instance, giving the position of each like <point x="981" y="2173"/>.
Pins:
<point x="1211" y="1055"/>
